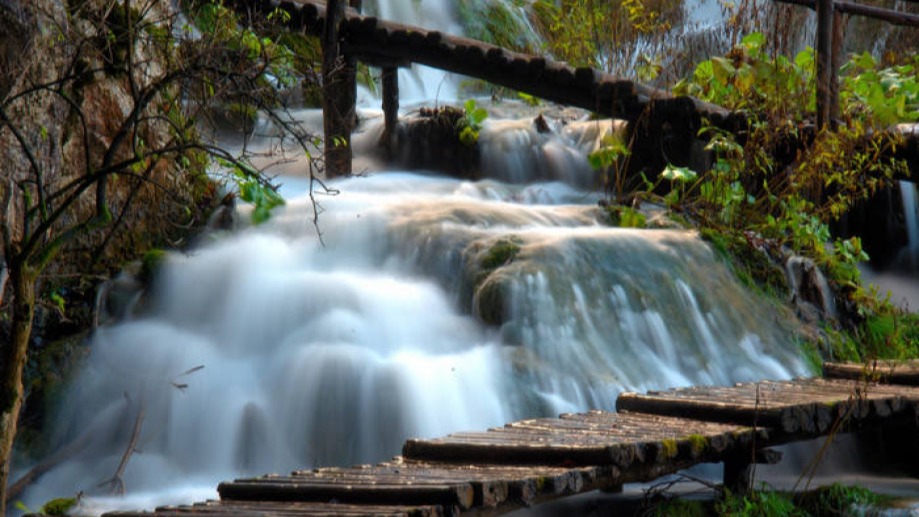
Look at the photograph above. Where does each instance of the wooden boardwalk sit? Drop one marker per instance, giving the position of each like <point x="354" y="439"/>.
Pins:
<point x="385" y="44"/>
<point x="535" y="460"/>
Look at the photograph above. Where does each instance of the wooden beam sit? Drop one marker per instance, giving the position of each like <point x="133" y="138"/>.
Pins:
<point x="337" y="97"/>
<point x="824" y="56"/>
<point x="867" y="11"/>
<point x="390" y="105"/>
<point x="839" y="28"/>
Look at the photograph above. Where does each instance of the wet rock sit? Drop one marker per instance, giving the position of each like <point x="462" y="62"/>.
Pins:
<point x="811" y="294"/>
<point x="429" y="140"/>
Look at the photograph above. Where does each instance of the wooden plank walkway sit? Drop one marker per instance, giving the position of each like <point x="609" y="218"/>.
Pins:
<point x="385" y="43"/>
<point x="535" y="460"/>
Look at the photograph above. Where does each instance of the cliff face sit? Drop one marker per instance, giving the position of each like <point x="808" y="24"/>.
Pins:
<point x="80" y="93"/>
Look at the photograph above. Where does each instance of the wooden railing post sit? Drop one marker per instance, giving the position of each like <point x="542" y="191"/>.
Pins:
<point x="337" y="94"/>
<point x="390" y="105"/>
<point x="825" y="74"/>
<point x="839" y="27"/>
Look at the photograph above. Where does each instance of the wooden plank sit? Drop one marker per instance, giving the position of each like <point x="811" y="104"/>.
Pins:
<point x="878" y="371"/>
<point x="807" y="406"/>
<point x="290" y="489"/>
<point x="294" y="509"/>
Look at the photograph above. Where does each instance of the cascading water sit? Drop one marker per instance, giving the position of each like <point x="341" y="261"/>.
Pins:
<point x="908" y="191"/>
<point x="430" y="305"/>
<point x="334" y="354"/>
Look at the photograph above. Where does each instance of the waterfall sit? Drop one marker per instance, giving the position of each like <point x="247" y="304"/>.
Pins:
<point x="320" y="354"/>
<point x="430" y="305"/>
<point x="908" y="191"/>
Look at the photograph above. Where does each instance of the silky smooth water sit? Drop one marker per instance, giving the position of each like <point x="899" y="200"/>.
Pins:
<point x="333" y="354"/>
<point x="269" y="348"/>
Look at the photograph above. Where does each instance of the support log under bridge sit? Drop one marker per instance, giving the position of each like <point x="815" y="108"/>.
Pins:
<point x="536" y="460"/>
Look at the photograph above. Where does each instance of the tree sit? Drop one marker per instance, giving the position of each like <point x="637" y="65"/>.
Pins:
<point x="101" y="133"/>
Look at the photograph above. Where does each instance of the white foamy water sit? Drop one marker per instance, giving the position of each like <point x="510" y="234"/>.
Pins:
<point x="268" y="350"/>
<point x="334" y="354"/>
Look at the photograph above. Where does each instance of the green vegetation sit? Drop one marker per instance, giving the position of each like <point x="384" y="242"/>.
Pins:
<point x="502" y="252"/>
<point x="757" y="504"/>
<point x="826" y="501"/>
<point x="468" y="126"/>
<point x="605" y="34"/>
<point x="499" y="23"/>
<point x="127" y="88"/>
<point x="782" y="185"/>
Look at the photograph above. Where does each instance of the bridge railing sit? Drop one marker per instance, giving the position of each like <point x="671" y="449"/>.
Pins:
<point x="831" y="22"/>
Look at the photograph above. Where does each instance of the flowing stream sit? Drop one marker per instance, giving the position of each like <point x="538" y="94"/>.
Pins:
<point x="430" y="305"/>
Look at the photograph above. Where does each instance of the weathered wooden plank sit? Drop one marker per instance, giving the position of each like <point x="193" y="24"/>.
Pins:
<point x="288" y="489"/>
<point x="806" y="406"/>
<point x="266" y="508"/>
<point x="886" y="372"/>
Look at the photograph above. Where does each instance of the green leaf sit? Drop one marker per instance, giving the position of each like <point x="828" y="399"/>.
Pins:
<point x="478" y="115"/>
<point x="723" y="69"/>
<point x="754" y="40"/>
<point x="681" y="174"/>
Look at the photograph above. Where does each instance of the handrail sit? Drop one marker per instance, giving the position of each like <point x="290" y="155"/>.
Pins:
<point x="869" y="11"/>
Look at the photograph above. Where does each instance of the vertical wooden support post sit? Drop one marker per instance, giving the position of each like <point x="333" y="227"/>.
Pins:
<point x="839" y="29"/>
<point x="337" y="100"/>
<point x="738" y="471"/>
<point x="824" y="48"/>
<point x="390" y="105"/>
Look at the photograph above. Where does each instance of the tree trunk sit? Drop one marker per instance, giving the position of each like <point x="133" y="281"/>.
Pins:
<point x="12" y="362"/>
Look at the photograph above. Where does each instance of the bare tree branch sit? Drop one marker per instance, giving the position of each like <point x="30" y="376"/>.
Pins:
<point x="116" y="483"/>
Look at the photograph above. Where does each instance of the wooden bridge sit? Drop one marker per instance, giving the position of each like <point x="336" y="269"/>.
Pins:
<point x="663" y="126"/>
<point x="531" y="461"/>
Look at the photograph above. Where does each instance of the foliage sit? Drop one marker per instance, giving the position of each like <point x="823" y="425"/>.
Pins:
<point x="783" y="186"/>
<point x="610" y="160"/>
<point x="837" y="499"/>
<point x="76" y="184"/>
<point x="468" y="127"/>
<point x="747" y="78"/>
<point x="255" y="190"/>
<point x="885" y="95"/>
<point x="499" y="23"/>
<point x="626" y="217"/>
<point x="614" y="35"/>
<point x="678" y="507"/>
<point x="757" y="504"/>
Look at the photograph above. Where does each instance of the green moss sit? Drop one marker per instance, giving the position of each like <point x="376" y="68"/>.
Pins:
<point x="698" y="443"/>
<point x="151" y="263"/>
<point x="669" y="448"/>
<point x="812" y="357"/>
<point x="753" y="267"/>
<point x="501" y="253"/>
<point x="489" y="301"/>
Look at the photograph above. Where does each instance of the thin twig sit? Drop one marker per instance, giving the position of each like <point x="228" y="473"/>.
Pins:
<point x="116" y="483"/>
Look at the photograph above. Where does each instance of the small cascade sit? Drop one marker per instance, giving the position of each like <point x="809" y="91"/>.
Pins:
<point x="410" y="320"/>
<point x="909" y="194"/>
<point x="429" y="305"/>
